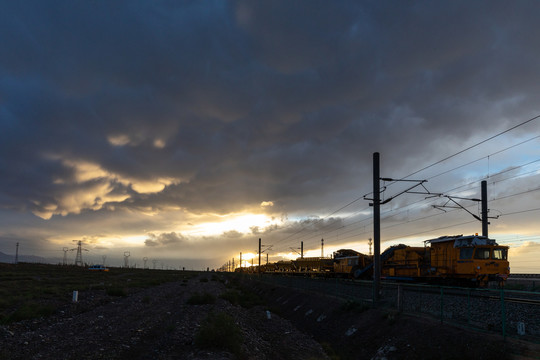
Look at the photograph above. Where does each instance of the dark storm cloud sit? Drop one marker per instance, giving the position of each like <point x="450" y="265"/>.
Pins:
<point x="164" y="239"/>
<point x="242" y="102"/>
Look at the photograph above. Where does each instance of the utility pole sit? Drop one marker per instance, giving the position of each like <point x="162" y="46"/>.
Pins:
<point x="485" y="222"/>
<point x="17" y="254"/>
<point x="483" y="218"/>
<point x="154" y="262"/>
<point x="322" y="248"/>
<point x="240" y="260"/>
<point x="259" y="255"/>
<point x="301" y="249"/>
<point x="232" y="264"/>
<point x="376" y="229"/>
<point x="65" y="249"/>
<point x="377" y="219"/>
<point x="145" y="259"/>
<point x="267" y="259"/>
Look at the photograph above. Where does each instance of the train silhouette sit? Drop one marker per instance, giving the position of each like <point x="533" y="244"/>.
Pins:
<point x="470" y="260"/>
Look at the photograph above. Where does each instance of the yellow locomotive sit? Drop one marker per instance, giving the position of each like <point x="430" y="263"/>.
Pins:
<point x="473" y="259"/>
<point x="462" y="260"/>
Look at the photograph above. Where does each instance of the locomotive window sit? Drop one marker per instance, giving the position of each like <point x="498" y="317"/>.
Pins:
<point x="481" y="253"/>
<point x="466" y="253"/>
<point x="499" y="254"/>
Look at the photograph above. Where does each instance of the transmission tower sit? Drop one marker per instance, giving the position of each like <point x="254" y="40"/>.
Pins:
<point x="154" y="262"/>
<point x="126" y="257"/>
<point x="145" y="259"/>
<point x="370" y="242"/>
<point x="17" y="254"/>
<point x="64" y="262"/>
<point x="78" y="257"/>
<point x="104" y="257"/>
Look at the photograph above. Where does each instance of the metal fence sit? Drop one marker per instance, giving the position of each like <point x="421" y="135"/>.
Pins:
<point x="507" y="312"/>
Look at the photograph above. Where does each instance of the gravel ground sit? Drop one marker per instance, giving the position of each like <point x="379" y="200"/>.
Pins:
<point x="155" y="323"/>
<point x="161" y="323"/>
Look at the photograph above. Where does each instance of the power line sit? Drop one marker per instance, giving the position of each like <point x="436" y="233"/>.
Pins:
<point x="291" y="236"/>
<point x="520" y="212"/>
<point x="428" y="216"/>
<point x="319" y="220"/>
<point x="431" y="230"/>
<point x="517" y="194"/>
<point x="473" y="146"/>
<point x="485" y="157"/>
<point x="465" y="185"/>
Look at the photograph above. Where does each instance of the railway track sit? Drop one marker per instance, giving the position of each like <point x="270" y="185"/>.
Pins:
<point x="523" y="276"/>
<point x="522" y="301"/>
<point x="474" y="294"/>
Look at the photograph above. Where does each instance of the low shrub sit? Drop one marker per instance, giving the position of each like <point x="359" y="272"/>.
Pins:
<point x="231" y="296"/>
<point x="29" y="310"/>
<point x="201" y="299"/>
<point x="354" y="306"/>
<point x="219" y="331"/>
<point x="245" y="298"/>
<point x="116" y="291"/>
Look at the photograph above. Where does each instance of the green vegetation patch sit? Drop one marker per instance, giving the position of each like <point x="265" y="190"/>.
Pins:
<point x="117" y="291"/>
<point x="329" y="350"/>
<point x="201" y="299"/>
<point x="219" y="331"/>
<point x="244" y="298"/>
<point x="354" y="306"/>
<point x="29" y="310"/>
<point x="24" y="285"/>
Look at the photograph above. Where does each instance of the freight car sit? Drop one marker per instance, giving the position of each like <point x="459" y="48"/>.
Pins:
<point x="351" y="263"/>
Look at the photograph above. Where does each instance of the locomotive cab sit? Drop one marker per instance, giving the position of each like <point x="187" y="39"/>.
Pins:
<point x="474" y="259"/>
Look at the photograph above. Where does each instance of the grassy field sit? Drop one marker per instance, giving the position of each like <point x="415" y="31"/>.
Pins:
<point x="33" y="290"/>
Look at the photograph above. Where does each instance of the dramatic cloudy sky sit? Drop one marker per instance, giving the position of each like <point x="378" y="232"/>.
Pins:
<point x="183" y="131"/>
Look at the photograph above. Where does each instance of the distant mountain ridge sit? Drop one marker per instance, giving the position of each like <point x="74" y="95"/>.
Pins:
<point x="10" y="259"/>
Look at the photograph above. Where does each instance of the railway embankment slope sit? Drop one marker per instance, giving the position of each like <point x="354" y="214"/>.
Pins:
<point x="352" y="330"/>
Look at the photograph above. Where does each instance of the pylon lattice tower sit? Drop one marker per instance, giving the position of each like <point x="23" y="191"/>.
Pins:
<point x="64" y="262"/>
<point x="126" y="259"/>
<point x="78" y="257"/>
